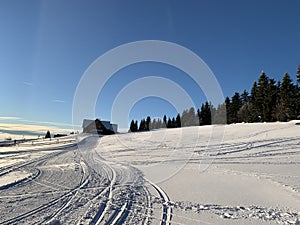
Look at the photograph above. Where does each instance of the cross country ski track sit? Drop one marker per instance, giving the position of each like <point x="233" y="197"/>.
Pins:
<point x="74" y="184"/>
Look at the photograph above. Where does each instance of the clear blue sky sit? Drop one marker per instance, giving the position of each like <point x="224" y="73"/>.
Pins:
<point x="46" y="46"/>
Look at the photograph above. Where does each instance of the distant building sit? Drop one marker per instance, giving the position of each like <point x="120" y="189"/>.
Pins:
<point x="99" y="127"/>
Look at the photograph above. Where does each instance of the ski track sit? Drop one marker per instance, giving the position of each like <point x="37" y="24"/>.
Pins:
<point x="78" y="186"/>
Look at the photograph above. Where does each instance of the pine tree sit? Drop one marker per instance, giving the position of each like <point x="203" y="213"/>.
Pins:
<point x="228" y="112"/>
<point x="262" y="94"/>
<point x="219" y="116"/>
<point x="178" y="120"/>
<point x="173" y="123"/>
<point x="287" y="99"/>
<point x="184" y="118"/>
<point x="298" y="94"/>
<point x="169" y="123"/>
<point x="148" y="123"/>
<point x="136" y="125"/>
<point x="244" y="114"/>
<point x="298" y="74"/>
<point x="153" y="124"/>
<point x="191" y="117"/>
<point x="254" y="117"/>
<point x="205" y="114"/>
<point x="142" y="125"/>
<point x="165" y="120"/>
<point x="245" y="97"/>
<point x="234" y="107"/>
<point x="132" y="129"/>
<point x="159" y="123"/>
<point x="271" y="100"/>
<point x="48" y="135"/>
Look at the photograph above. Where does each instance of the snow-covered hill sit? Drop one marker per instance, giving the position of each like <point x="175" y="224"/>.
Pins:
<point x="251" y="176"/>
<point x="233" y="174"/>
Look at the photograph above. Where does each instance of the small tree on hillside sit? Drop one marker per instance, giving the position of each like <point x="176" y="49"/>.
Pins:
<point x="48" y="135"/>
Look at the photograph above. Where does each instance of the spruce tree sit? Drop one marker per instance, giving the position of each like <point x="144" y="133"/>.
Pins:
<point x="245" y="97"/>
<point x="191" y="117"/>
<point x="142" y="125"/>
<point x="132" y="128"/>
<point x="173" y="123"/>
<point x="271" y="100"/>
<point x="48" y="135"/>
<point x="298" y="74"/>
<point x="205" y="114"/>
<point x="148" y="123"/>
<point x="254" y="106"/>
<point x="262" y="95"/>
<point x="298" y="94"/>
<point x="287" y="99"/>
<point x="165" y="120"/>
<point x="136" y="126"/>
<point x="228" y="110"/>
<point x="178" y="120"/>
<point x="219" y="116"/>
<point x="184" y="118"/>
<point x="169" y="123"/>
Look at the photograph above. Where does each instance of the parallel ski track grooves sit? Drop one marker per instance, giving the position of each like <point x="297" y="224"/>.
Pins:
<point x="41" y="208"/>
<point x="49" y="204"/>
<point x="13" y="167"/>
<point x="148" y="212"/>
<point x="99" y="216"/>
<point x="167" y="210"/>
<point x="105" y="206"/>
<point x="119" y="215"/>
<point x="74" y="193"/>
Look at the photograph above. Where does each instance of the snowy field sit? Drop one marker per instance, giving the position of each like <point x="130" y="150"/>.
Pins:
<point x="237" y="174"/>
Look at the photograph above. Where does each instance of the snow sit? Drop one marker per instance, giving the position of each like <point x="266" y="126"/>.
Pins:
<point x="233" y="174"/>
<point x="13" y="177"/>
<point x="255" y="165"/>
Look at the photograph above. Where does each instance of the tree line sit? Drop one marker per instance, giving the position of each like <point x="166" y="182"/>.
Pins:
<point x="268" y="101"/>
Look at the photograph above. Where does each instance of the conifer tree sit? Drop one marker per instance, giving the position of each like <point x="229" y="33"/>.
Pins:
<point x="132" y="128"/>
<point x="173" y="123"/>
<point x="234" y="107"/>
<point x="165" y="120"/>
<point x="227" y="105"/>
<point x="136" y="125"/>
<point x="261" y="96"/>
<point x="142" y="125"/>
<point x="178" y="120"/>
<point x="271" y="100"/>
<point x="287" y="99"/>
<point x="48" y="135"/>
<point x="298" y="74"/>
<point x="254" y="106"/>
<point x="205" y="114"/>
<point x="169" y="123"/>
<point x="148" y="123"/>
<point x="245" y="97"/>
<point x="184" y="118"/>
<point x="191" y="117"/>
